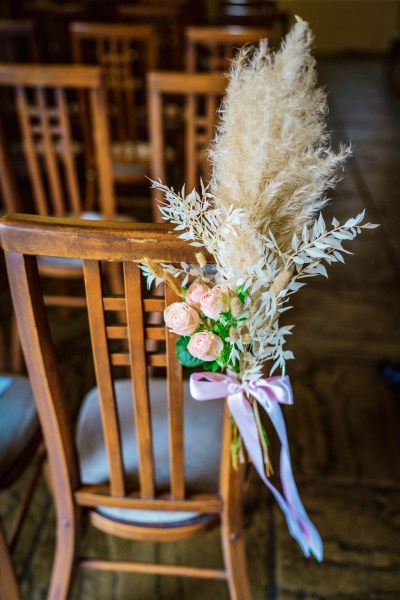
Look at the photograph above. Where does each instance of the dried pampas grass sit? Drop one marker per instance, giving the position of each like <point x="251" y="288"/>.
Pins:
<point x="272" y="155"/>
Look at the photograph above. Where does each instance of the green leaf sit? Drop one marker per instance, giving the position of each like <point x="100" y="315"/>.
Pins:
<point x="265" y="435"/>
<point x="185" y="358"/>
<point x="214" y="366"/>
<point x="242" y="293"/>
<point x="235" y="449"/>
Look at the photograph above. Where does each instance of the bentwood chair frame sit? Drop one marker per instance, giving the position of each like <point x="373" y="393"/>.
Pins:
<point x="198" y="125"/>
<point x="23" y="238"/>
<point x="221" y="43"/>
<point x="48" y="146"/>
<point x="125" y="53"/>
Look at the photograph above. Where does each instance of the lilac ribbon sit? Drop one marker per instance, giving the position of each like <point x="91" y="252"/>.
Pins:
<point x="269" y="393"/>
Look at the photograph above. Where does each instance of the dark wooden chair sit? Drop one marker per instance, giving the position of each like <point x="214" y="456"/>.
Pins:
<point x="254" y="13"/>
<point x="168" y="19"/>
<point x="19" y="443"/>
<point x="197" y="97"/>
<point x="212" y="48"/>
<point x="52" y="146"/>
<point x="153" y="463"/>
<point x="125" y="53"/>
<point x="18" y="41"/>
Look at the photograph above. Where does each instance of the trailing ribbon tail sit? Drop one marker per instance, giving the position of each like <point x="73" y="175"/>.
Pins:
<point x="268" y="393"/>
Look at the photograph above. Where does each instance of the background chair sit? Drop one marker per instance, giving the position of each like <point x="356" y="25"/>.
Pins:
<point x="178" y="144"/>
<point x="168" y="19"/>
<point x="125" y="53"/>
<point x="254" y="13"/>
<point x="51" y="142"/>
<point x="153" y="463"/>
<point x="212" y="48"/>
<point x="17" y="41"/>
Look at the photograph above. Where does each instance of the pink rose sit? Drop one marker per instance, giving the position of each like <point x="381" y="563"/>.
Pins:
<point x="195" y="293"/>
<point x="216" y="301"/>
<point x="205" y="346"/>
<point x="181" y="318"/>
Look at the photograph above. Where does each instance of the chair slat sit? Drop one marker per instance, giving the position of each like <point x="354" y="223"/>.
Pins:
<point x="117" y="332"/>
<point x="31" y="156"/>
<point x="156" y="131"/>
<point x="103" y="154"/>
<point x="119" y="303"/>
<point x="102" y="365"/>
<point x="190" y="142"/>
<point x="175" y="411"/>
<point x="50" y="157"/>
<point x="123" y="359"/>
<point x="68" y="154"/>
<point x="136" y="339"/>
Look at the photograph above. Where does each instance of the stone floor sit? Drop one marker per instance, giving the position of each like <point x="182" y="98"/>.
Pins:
<point x="344" y="429"/>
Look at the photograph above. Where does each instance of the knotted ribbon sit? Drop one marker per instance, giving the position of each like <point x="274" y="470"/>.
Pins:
<point x="269" y="393"/>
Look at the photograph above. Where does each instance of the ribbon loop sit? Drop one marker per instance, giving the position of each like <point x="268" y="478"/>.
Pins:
<point x="269" y="393"/>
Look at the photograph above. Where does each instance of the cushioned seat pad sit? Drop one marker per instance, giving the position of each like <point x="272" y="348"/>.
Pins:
<point x="18" y="419"/>
<point x="202" y="431"/>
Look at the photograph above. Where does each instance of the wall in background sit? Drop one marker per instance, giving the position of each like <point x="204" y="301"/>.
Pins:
<point x="343" y="25"/>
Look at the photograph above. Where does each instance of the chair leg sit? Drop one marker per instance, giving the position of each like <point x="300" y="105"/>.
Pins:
<point x="17" y="362"/>
<point x="234" y="552"/>
<point x="65" y="559"/>
<point x="233" y="544"/>
<point x="8" y="581"/>
<point x="232" y="534"/>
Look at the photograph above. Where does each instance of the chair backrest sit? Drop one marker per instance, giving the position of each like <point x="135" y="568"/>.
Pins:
<point x="17" y="41"/>
<point x="125" y="53"/>
<point x="168" y="19"/>
<point x="212" y="48"/>
<point x="51" y="139"/>
<point x="23" y="238"/>
<point x="198" y="96"/>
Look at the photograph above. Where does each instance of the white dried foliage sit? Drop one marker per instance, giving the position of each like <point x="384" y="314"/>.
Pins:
<point x="259" y="217"/>
<point x="272" y="155"/>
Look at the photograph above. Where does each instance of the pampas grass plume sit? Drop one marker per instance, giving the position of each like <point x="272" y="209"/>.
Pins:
<point x="272" y="155"/>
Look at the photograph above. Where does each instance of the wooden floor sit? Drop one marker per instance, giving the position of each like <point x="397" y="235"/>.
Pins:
<point x="344" y="429"/>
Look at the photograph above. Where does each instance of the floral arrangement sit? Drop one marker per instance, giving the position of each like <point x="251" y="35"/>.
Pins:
<point x="260" y="221"/>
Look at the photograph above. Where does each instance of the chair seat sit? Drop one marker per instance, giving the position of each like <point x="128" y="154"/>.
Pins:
<point x="130" y="159"/>
<point x="203" y="426"/>
<point x="19" y="423"/>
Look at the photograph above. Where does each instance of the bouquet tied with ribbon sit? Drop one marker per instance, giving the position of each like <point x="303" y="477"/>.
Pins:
<point x="260" y="220"/>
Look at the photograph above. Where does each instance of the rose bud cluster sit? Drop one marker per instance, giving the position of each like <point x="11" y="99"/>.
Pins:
<point x="198" y="315"/>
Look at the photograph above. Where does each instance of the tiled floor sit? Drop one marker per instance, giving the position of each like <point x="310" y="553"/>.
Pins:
<point x="344" y="429"/>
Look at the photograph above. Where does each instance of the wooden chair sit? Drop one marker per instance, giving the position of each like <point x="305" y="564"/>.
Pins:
<point x="168" y="19"/>
<point x="19" y="443"/>
<point x="17" y="41"/>
<point x="154" y="464"/>
<point x="125" y="53"/>
<point x="254" y="13"/>
<point x="199" y="96"/>
<point x="52" y="145"/>
<point x="212" y="48"/>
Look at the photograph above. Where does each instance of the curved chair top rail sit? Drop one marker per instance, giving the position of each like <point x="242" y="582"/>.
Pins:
<point x="176" y="82"/>
<point x="95" y="240"/>
<point x="76" y="76"/>
<point x="83" y="29"/>
<point x="224" y="35"/>
<point x="16" y="27"/>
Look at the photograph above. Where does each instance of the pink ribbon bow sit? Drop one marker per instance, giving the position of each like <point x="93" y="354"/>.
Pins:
<point x="269" y="393"/>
